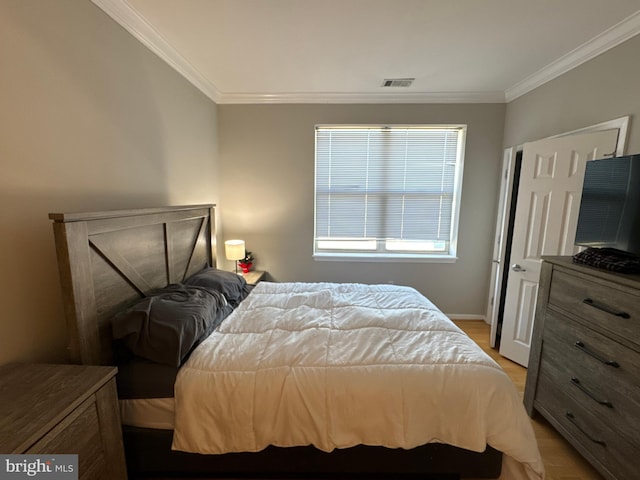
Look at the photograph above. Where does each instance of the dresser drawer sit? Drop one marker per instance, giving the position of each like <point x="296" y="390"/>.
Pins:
<point x="584" y="369"/>
<point x="601" y="306"/>
<point x="63" y="409"/>
<point x="608" y="392"/>
<point x="79" y="434"/>
<point x="587" y="432"/>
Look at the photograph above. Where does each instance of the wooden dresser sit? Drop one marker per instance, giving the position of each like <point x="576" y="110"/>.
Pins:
<point x="63" y="409"/>
<point x="584" y="367"/>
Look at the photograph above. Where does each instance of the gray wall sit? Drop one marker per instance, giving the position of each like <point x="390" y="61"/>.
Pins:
<point x="90" y="119"/>
<point x="267" y="163"/>
<point x="602" y="89"/>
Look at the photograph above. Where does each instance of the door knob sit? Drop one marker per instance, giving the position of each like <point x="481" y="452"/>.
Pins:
<point x="517" y="268"/>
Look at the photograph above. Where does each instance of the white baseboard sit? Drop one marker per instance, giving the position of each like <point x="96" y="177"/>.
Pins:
<point x="466" y="316"/>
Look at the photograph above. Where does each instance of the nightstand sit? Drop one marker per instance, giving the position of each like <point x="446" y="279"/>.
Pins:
<point x="254" y="276"/>
<point x="63" y="409"/>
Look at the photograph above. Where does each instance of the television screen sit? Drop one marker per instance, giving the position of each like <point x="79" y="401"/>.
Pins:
<point x="610" y="207"/>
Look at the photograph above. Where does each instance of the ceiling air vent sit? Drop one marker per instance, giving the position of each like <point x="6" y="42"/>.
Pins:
<point x="397" y="82"/>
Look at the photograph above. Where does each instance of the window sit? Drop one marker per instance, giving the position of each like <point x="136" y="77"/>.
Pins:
<point x="388" y="192"/>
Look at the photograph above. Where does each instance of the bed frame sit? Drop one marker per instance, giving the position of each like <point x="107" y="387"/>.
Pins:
<point x="109" y="259"/>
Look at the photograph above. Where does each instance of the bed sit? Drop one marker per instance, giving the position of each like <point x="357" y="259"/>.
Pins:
<point x="286" y="379"/>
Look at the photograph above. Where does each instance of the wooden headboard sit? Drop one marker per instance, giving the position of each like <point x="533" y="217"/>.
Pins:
<point x="109" y="259"/>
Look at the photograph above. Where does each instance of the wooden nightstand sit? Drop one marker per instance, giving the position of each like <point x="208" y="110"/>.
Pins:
<point x="254" y="276"/>
<point x="63" y="409"/>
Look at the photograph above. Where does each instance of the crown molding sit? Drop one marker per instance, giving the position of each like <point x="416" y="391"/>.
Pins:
<point x="400" y="97"/>
<point x="136" y="25"/>
<point x="125" y="15"/>
<point x="608" y="39"/>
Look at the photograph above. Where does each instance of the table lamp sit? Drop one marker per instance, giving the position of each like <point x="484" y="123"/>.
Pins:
<point x="234" y="250"/>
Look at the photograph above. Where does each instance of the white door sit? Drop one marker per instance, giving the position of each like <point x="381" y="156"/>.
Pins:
<point x="500" y="241"/>
<point x="545" y="224"/>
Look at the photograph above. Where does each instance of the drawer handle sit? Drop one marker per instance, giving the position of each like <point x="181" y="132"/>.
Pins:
<point x="611" y="363"/>
<point x="572" y="419"/>
<point x="605" y="308"/>
<point x="589" y="394"/>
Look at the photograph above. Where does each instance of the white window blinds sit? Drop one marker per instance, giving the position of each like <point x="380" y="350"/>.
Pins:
<point x="389" y="191"/>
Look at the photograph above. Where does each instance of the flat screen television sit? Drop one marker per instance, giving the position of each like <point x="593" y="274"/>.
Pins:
<point x="610" y="207"/>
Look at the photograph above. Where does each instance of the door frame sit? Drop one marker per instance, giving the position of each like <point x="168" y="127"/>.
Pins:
<point x="621" y="123"/>
<point x="504" y="201"/>
<point x="499" y="241"/>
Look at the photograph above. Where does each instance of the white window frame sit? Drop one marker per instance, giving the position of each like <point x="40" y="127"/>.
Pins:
<point x="373" y="249"/>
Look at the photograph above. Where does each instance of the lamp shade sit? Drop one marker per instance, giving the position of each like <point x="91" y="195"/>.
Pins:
<point x="234" y="249"/>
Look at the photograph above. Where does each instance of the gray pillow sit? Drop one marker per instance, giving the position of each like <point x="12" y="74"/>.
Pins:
<point x="233" y="287"/>
<point x="165" y="326"/>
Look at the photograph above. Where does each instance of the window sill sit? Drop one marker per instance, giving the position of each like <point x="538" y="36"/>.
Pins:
<point x="364" y="257"/>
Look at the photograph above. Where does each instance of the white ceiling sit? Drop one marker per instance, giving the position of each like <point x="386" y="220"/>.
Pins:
<point x="340" y="51"/>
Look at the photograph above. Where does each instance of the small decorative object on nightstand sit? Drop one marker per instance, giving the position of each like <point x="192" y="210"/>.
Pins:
<point x="254" y="276"/>
<point x="246" y="262"/>
<point x="63" y="409"/>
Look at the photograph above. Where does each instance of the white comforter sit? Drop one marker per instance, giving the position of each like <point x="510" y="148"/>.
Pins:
<point x="336" y="365"/>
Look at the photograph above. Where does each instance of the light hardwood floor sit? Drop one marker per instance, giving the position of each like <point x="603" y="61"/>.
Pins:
<point x="561" y="460"/>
